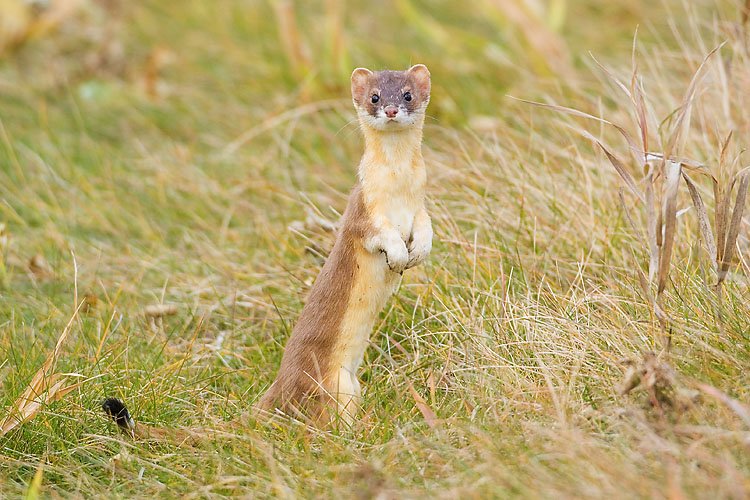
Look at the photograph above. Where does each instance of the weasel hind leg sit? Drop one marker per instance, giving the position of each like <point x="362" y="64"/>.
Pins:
<point x="347" y="395"/>
<point x="340" y="400"/>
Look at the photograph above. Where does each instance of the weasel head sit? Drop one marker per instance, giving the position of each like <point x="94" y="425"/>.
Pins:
<point x="391" y="100"/>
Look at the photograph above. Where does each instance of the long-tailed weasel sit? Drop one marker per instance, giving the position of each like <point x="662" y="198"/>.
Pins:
<point x="385" y="229"/>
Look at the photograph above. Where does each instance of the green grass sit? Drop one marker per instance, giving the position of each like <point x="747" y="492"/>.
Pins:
<point x="137" y="191"/>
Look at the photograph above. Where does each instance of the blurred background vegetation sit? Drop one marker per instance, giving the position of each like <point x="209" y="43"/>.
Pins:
<point x="97" y="85"/>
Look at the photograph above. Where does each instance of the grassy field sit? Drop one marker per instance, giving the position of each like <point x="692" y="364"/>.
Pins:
<point x="194" y="154"/>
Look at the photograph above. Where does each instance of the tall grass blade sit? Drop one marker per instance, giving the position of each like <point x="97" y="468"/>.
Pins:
<point x="672" y="182"/>
<point x="734" y="226"/>
<point x="45" y="387"/>
<point x="703" y="221"/>
<point x="574" y="112"/>
<point x="638" y="98"/>
<point x="622" y="171"/>
<point x="652" y="229"/>
<point x="682" y="121"/>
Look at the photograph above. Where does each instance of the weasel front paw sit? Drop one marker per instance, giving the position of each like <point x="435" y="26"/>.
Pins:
<point x="394" y="248"/>
<point x="419" y="248"/>
<point x="396" y="255"/>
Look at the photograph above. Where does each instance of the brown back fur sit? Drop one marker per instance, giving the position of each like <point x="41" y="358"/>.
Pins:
<point x="306" y="363"/>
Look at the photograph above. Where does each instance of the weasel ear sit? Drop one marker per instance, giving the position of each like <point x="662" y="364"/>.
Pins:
<point x="420" y="75"/>
<point x="360" y="83"/>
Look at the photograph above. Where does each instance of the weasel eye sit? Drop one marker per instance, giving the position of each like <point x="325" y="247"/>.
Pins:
<point x="407" y="96"/>
<point x="375" y="98"/>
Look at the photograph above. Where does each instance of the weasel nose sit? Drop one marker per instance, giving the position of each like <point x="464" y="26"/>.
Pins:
<point x="391" y="111"/>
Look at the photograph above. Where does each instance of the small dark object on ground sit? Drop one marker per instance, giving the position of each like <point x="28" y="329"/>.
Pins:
<point x="119" y="413"/>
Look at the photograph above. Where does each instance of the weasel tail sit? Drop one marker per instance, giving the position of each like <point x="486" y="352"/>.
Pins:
<point x="385" y="229"/>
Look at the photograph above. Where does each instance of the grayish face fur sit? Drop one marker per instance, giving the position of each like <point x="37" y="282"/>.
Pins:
<point x="391" y="100"/>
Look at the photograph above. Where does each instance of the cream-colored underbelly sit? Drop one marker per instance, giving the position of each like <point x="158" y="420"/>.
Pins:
<point x="374" y="283"/>
<point x="401" y="216"/>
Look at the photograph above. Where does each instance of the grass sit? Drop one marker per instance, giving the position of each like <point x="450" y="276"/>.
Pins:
<point x="186" y="153"/>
